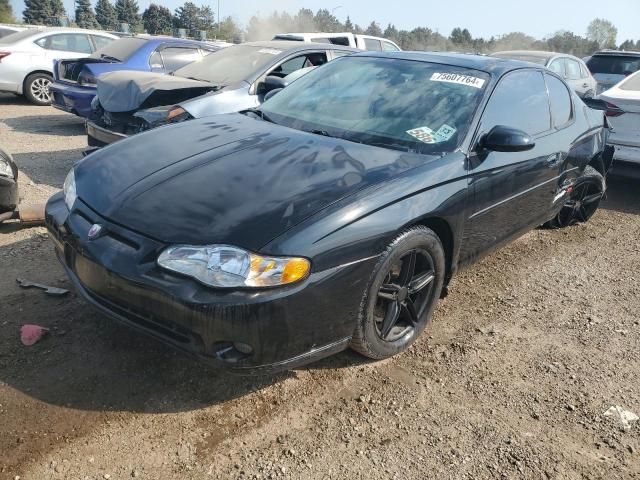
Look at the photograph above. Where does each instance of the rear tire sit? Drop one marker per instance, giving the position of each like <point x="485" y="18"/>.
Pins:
<point x="36" y="88"/>
<point x="402" y="294"/>
<point x="582" y="202"/>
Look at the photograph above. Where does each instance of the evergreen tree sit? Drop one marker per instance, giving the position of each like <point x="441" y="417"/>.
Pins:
<point x="348" y="26"/>
<point x="127" y="12"/>
<point x="106" y="15"/>
<point x="85" y="16"/>
<point x="374" y="30"/>
<point x="6" y="12"/>
<point x="157" y="20"/>
<point x="206" y="18"/>
<point x="37" y="12"/>
<point x="58" y="13"/>
<point x="187" y="17"/>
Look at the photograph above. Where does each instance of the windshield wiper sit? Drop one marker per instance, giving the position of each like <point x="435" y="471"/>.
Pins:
<point x="324" y="133"/>
<point x="259" y="113"/>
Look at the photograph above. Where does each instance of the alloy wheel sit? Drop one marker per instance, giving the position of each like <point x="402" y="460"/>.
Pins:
<point x="403" y="297"/>
<point x="40" y="89"/>
<point x="582" y="203"/>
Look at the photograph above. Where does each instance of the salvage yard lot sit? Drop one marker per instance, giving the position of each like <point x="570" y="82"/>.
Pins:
<point x="511" y="379"/>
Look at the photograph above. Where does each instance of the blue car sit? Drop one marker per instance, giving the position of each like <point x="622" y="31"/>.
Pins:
<point x="74" y="85"/>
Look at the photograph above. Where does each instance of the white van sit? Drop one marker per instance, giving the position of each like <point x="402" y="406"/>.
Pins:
<point x="348" y="39"/>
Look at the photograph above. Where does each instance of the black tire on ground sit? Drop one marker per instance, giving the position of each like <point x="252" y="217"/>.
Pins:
<point x="401" y="295"/>
<point x="36" y="88"/>
<point x="583" y="201"/>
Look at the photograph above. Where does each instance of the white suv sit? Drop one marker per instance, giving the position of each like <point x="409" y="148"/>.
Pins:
<point x="348" y="39"/>
<point x="26" y="57"/>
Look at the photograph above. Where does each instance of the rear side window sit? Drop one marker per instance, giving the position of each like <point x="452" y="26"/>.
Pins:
<point x="573" y="69"/>
<point x="101" y="42"/>
<point x="389" y="47"/>
<point x="560" y="101"/>
<point x="557" y="66"/>
<point x="372" y="44"/>
<point x="614" y="64"/>
<point x="296" y="63"/>
<point x="177" y="57"/>
<point x="519" y="101"/>
<point x="584" y="70"/>
<point x="66" y="42"/>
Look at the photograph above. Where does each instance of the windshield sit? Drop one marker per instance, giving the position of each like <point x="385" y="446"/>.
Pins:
<point x="523" y="57"/>
<point x="18" y="36"/>
<point x="402" y="104"/>
<point x="121" y="49"/>
<point x="614" y="64"/>
<point x="229" y="65"/>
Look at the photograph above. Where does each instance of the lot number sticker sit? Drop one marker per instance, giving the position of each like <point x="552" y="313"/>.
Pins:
<point x="426" y="135"/>
<point x="467" y="80"/>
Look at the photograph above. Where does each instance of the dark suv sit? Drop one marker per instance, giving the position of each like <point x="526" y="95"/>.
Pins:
<point x="610" y="67"/>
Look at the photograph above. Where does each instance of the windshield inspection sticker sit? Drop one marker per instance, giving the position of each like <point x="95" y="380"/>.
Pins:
<point x="467" y="80"/>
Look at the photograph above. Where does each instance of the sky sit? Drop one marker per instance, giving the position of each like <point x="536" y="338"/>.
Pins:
<point x="483" y="18"/>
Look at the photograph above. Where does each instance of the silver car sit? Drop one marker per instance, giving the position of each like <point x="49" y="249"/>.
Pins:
<point x="572" y="69"/>
<point x="26" y="57"/>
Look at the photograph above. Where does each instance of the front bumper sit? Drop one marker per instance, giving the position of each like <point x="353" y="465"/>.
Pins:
<point x="72" y="99"/>
<point x="285" y="327"/>
<point x="98" y="136"/>
<point x="8" y="194"/>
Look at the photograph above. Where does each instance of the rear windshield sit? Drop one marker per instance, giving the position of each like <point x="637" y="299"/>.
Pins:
<point x="16" y="37"/>
<point x="614" y="64"/>
<point x="522" y="57"/>
<point x="230" y="65"/>
<point x="121" y="49"/>
<point x="632" y="83"/>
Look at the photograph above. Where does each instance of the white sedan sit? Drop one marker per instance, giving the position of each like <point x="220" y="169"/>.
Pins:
<point x="623" y="113"/>
<point x="26" y="57"/>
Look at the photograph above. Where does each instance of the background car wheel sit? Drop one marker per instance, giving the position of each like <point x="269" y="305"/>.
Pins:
<point x="583" y="200"/>
<point x="36" y="88"/>
<point x="401" y="296"/>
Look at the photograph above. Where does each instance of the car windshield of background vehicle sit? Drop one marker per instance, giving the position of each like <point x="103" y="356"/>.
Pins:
<point x="16" y="37"/>
<point x="229" y="65"/>
<point x="402" y="104"/>
<point x="614" y="64"/>
<point x="632" y="83"/>
<point x="540" y="60"/>
<point x="121" y="49"/>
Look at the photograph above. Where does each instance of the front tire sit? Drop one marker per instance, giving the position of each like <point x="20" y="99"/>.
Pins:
<point x="402" y="294"/>
<point x="583" y="200"/>
<point x="36" y="88"/>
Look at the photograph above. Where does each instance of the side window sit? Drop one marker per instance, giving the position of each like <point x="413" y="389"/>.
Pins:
<point x="573" y="69"/>
<point x="389" y="47"/>
<point x="70" y="42"/>
<point x="372" y="44"/>
<point x="301" y="61"/>
<point x="584" y="70"/>
<point x="519" y="101"/>
<point x="155" y="60"/>
<point x="101" y="41"/>
<point x="176" y="57"/>
<point x="560" y="100"/>
<point x="557" y="66"/>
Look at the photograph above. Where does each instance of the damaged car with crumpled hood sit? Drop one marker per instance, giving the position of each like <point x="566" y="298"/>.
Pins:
<point x="229" y="80"/>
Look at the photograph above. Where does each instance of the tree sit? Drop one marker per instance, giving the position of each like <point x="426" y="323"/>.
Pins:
<point x="326" y="22"/>
<point x="85" y="16"/>
<point x="627" y="45"/>
<point x="58" y="13"/>
<point x="206" y="18"/>
<point x="6" y="12"/>
<point x="187" y="17"/>
<point x="127" y="12"/>
<point x="374" y="30"/>
<point x="603" y="32"/>
<point x="391" y="32"/>
<point x="229" y="30"/>
<point x="106" y="15"/>
<point x="157" y="20"/>
<point x="44" y="12"/>
<point x="348" y="26"/>
<point x="461" y="37"/>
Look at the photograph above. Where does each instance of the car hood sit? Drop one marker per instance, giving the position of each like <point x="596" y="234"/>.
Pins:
<point x="125" y="91"/>
<point x="228" y="179"/>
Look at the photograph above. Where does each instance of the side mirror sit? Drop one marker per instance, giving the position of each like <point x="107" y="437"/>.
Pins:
<point x="272" y="93"/>
<point x="506" y="139"/>
<point x="271" y="82"/>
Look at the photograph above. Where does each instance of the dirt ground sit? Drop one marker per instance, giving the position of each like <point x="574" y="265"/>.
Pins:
<point x="511" y="380"/>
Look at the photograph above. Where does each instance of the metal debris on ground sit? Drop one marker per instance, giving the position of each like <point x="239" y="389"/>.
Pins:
<point x="55" y="291"/>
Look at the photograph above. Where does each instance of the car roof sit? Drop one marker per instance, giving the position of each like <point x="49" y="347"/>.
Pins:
<point x="289" y="45"/>
<point x="40" y="30"/>
<point x="533" y="53"/>
<point x="493" y="65"/>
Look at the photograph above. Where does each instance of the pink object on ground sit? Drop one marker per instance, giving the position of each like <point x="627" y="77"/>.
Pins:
<point x="30" y="334"/>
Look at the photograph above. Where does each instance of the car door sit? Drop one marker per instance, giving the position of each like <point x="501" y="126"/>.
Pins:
<point x="511" y="192"/>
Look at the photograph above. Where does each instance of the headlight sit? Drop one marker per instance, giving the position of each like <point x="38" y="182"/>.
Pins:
<point x="5" y="168"/>
<point x="225" y="266"/>
<point x="162" y="115"/>
<point x="69" y="189"/>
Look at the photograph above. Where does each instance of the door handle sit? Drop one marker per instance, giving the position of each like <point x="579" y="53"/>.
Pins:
<point x="585" y="85"/>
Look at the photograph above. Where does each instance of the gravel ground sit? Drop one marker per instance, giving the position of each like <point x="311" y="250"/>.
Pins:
<point x="512" y="379"/>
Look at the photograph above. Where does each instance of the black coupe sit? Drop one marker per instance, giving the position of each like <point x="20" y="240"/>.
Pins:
<point x="335" y="215"/>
